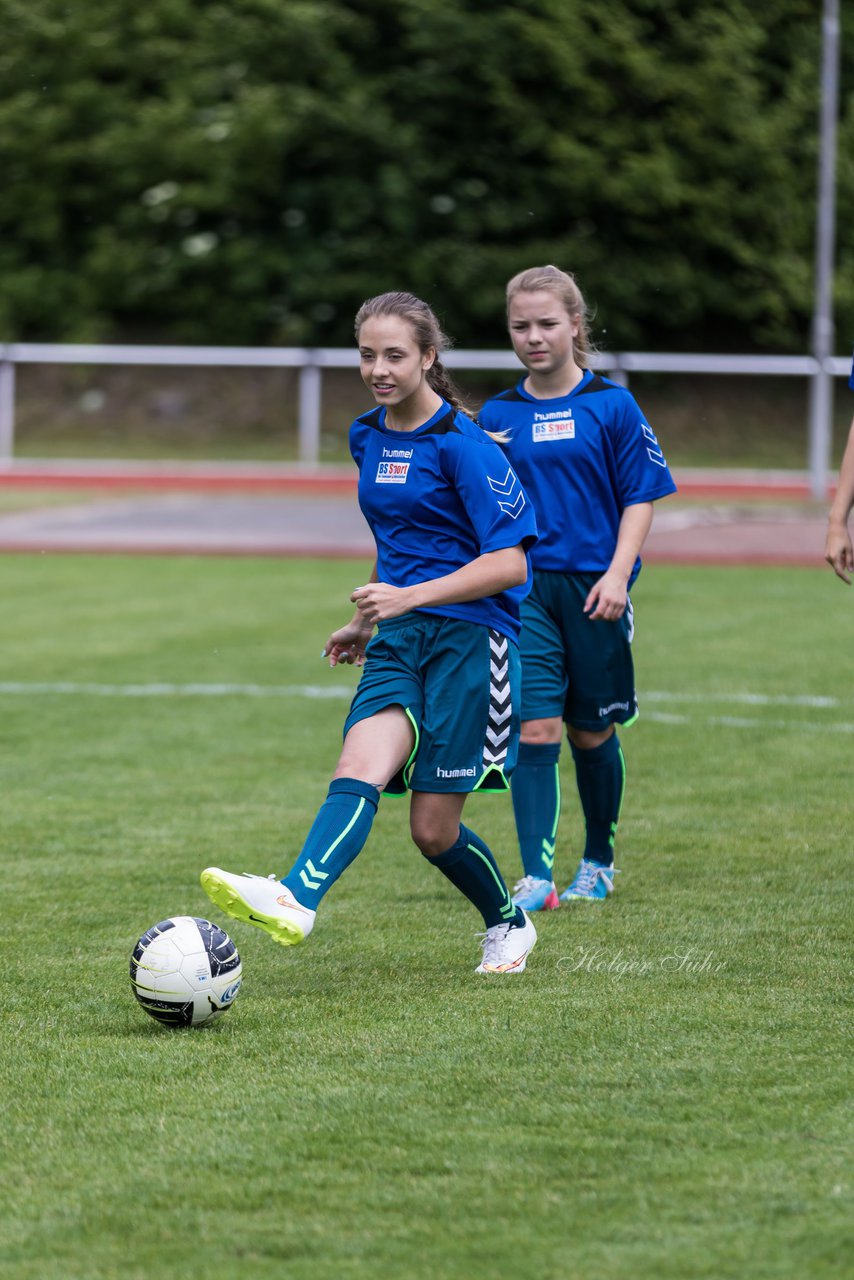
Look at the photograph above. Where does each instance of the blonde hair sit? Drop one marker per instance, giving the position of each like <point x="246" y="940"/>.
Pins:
<point x="562" y="285"/>
<point x="427" y="333"/>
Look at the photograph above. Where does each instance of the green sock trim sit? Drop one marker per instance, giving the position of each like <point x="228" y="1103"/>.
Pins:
<point x="622" y="797"/>
<point x="547" y="853"/>
<point x="349" y="827"/>
<point x="508" y="911"/>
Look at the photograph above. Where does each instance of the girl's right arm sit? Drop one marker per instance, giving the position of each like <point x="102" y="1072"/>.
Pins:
<point x="486" y="575"/>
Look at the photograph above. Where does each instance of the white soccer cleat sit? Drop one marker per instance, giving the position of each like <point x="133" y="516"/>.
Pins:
<point x="506" y="947"/>
<point x="260" y="900"/>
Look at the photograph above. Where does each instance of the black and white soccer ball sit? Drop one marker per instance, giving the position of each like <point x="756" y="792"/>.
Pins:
<point x="185" y="971"/>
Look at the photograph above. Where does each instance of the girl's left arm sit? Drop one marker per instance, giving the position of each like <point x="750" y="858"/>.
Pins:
<point x="487" y="575"/>
<point x="607" y="598"/>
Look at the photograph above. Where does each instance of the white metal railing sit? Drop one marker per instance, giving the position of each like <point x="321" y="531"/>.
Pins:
<point x="312" y="360"/>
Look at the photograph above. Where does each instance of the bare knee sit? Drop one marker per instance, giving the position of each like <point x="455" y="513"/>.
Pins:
<point x="541" y="733"/>
<point x="588" y="739"/>
<point x="434" y="821"/>
<point x="434" y="838"/>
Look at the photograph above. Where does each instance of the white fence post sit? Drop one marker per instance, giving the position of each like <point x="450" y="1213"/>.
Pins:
<point x="7" y="405"/>
<point x="821" y="390"/>
<point x="820" y="431"/>
<point x="309" y="410"/>
<point x="615" y="373"/>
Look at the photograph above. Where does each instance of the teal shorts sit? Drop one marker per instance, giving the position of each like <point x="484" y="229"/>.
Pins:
<point x="459" y="684"/>
<point x="573" y="667"/>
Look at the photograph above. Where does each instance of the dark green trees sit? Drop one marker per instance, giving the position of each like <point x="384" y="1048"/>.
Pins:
<point x="248" y="173"/>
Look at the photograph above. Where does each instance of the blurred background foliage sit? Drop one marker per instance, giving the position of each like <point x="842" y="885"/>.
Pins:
<point x="248" y="173"/>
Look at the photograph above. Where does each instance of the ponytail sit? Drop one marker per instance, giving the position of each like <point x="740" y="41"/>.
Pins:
<point x="443" y="384"/>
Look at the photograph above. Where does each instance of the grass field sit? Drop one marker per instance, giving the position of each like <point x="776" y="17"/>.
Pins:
<point x="662" y="1094"/>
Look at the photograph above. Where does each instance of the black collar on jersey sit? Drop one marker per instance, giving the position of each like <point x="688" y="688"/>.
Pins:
<point x="445" y="424"/>
<point x="582" y="389"/>
<point x="512" y="394"/>
<point x="595" y="384"/>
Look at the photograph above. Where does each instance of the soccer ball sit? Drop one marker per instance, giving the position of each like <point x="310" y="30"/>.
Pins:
<point x="185" y="971"/>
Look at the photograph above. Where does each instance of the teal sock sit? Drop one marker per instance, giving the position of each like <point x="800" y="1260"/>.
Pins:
<point x="471" y="868"/>
<point x="337" y="834"/>
<point x="535" y="787"/>
<point x="601" y="777"/>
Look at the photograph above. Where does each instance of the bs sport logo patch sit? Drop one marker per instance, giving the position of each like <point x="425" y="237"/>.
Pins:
<point x="553" y="426"/>
<point x="392" y="472"/>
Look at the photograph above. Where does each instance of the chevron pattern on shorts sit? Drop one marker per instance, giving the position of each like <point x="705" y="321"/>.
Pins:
<point x="500" y="705"/>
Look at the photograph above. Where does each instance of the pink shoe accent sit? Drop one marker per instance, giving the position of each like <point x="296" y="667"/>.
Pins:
<point x="552" y="902"/>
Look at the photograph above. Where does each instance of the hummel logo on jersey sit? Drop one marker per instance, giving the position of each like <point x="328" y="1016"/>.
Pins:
<point x="392" y="472"/>
<point x="389" y="472"/>
<point x="512" y="506"/>
<point x="653" y="448"/>
<point x="553" y="426"/>
<point x="455" y="773"/>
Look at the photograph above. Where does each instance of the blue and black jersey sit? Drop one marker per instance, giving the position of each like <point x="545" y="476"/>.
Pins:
<point x="851" y="379"/>
<point x="582" y="459"/>
<point x="437" y="498"/>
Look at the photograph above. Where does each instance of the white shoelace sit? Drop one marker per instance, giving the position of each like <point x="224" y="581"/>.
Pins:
<point x="589" y="873"/>
<point x="495" y="944"/>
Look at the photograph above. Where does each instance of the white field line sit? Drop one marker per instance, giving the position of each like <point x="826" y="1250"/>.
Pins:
<point x="752" y="699"/>
<point x="23" y="688"/>
<point x="15" y="687"/>
<point x="745" y="722"/>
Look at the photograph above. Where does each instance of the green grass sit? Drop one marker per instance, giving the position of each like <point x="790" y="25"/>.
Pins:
<point x="662" y="1094"/>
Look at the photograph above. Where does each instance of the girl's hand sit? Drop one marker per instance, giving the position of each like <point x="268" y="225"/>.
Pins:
<point x="607" y="598"/>
<point x="839" y="554"/>
<point x="348" y="644"/>
<point x="377" y="602"/>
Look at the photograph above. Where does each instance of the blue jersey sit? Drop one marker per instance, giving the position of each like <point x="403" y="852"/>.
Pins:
<point x="437" y="498"/>
<point x="582" y="459"/>
<point x="851" y="379"/>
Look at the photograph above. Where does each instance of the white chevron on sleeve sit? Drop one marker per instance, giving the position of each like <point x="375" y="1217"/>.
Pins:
<point x="505" y="486"/>
<point x="516" y="508"/>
